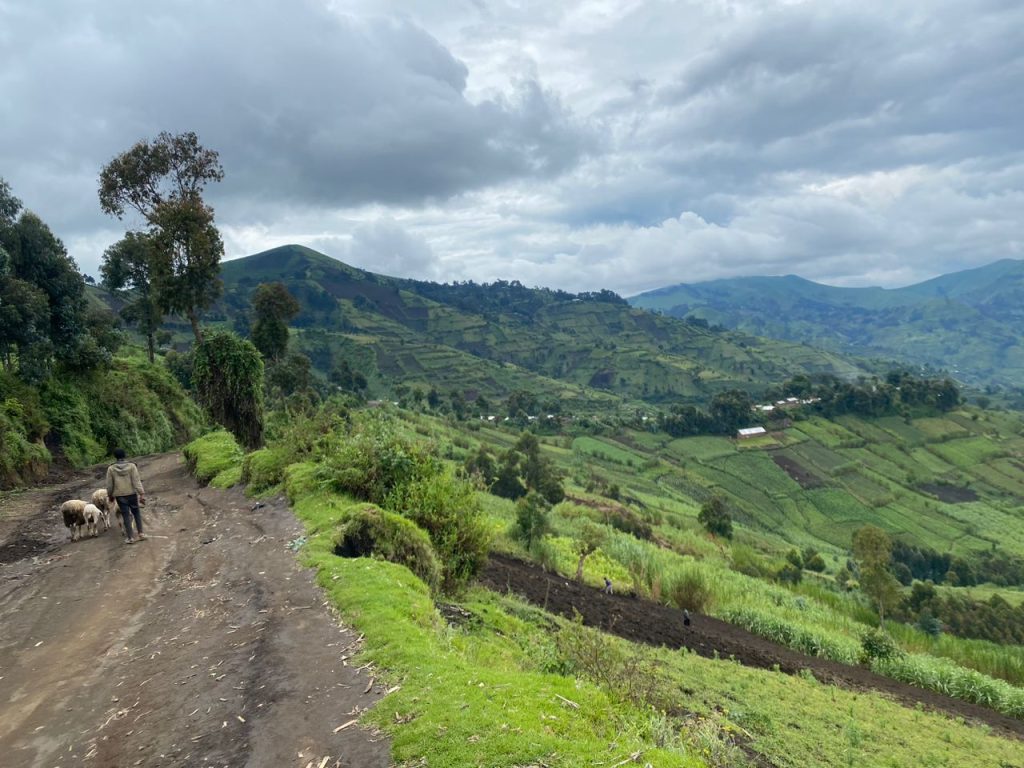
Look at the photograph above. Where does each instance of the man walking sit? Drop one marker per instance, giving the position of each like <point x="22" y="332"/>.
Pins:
<point x="125" y="486"/>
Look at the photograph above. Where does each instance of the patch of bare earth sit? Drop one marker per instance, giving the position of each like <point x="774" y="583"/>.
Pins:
<point x="949" y="494"/>
<point x="797" y="471"/>
<point x="206" y="645"/>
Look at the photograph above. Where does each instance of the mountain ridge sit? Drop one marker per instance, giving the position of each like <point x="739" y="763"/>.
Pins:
<point x="594" y="344"/>
<point x="963" y="321"/>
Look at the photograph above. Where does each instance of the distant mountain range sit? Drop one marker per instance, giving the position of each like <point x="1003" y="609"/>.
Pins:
<point x="967" y="323"/>
<point x="589" y="350"/>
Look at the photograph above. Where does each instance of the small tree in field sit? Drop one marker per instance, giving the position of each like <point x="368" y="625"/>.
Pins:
<point x="273" y="307"/>
<point x="714" y="517"/>
<point x="228" y="378"/>
<point x="127" y="271"/>
<point x="872" y="548"/>
<point x="587" y="540"/>
<point x="531" y="518"/>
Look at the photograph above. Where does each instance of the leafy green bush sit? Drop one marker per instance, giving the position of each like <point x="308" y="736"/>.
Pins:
<point x="227" y="375"/>
<point x="373" y="461"/>
<point x="877" y="644"/>
<point x="531" y="519"/>
<point x="21" y="459"/>
<point x="374" y="531"/>
<point x="447" y="507"/>
<point x="746" y="561"/>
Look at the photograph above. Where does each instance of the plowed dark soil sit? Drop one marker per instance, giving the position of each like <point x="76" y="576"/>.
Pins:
<point x="205" y="645"/>
<point x="654" y="624"/>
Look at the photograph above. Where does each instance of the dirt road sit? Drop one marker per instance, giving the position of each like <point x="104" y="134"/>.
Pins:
<point x="206" y="645"/>
<point x="655" y="624"/>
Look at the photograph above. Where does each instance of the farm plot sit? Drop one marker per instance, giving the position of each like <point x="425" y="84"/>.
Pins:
<point x="968" y="453"/>
<point x="901" y="430"/>
<point x="880" y="465"/>
<point x="701" y="448"/>
<point x="841" y="515"/>
<point x="865" y="429"/>
<point x="821" y="458"/>
<point x="792" y="466"/>
<point x="941" y="429"/>
<point x="828" y="433"/>
<point x="867" y="489"/>
<point x="759" y="470"/>
<point x="1004" y="474"/>
<point x="607" y="451"/>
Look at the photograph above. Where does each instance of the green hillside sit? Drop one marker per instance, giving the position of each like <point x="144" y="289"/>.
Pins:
<point x="587" y="350"/>
<point x="966" y="322"/>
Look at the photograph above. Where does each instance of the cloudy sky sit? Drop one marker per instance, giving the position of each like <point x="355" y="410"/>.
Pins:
<point x="582" y="145"/>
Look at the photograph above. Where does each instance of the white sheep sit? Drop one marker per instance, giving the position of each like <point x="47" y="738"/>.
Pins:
<point x="73" y="512"/>
<point x="92" y="515"/>
<point x="106" y="506"/>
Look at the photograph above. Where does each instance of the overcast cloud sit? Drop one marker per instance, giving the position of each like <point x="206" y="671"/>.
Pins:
<point x="580" y="145"/>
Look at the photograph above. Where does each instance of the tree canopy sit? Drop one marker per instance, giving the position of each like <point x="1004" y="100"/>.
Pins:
<point x="163" y="181"/>
<point x="273" y="307"/>
<point x="126" y="270"/>
<point x="42" y="308"/>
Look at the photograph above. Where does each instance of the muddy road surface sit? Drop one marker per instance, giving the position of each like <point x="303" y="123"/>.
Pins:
<point x="655" y="624"/>
<point x="205" y="645"/>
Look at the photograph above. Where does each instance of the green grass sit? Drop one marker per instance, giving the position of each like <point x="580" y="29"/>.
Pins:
<point x="504" y="672"/>
<point x="215" y="456"/>
<point x="469" y="701"/>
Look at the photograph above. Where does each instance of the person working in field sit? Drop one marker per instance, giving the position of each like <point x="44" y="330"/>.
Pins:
<point x="125" y="486"/>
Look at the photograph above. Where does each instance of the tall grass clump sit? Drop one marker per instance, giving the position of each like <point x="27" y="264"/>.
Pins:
<point x="688" y="588"/>
<point x="1003" y="661"/>
<point x="951" y="679"/>
<point x="800" y="637"/>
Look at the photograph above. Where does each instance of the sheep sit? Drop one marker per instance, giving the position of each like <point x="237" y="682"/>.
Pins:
<point x="92" y="515"/>
<point x="73" y="512"/>
<point x="106" y="506"/>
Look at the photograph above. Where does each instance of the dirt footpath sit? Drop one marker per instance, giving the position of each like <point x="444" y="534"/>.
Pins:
<point x="206" y="645"/>
<point x="647" y="622"/>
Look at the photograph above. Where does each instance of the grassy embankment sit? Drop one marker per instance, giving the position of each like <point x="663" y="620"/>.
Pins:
<point x="81" y="418"/>
<point x="487" y="692"/>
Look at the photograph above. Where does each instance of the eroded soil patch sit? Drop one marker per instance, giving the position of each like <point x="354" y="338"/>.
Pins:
<point x="797" y="471"/>
<point x="949" y="494"/>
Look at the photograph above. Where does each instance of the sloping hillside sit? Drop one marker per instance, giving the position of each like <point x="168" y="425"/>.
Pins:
<point x="496" y="338"/>
<point x="966" y="322"/>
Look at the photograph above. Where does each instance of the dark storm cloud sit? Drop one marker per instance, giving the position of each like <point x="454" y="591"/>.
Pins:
<point x="305" y="105"/>
<point x="580" y="144"/>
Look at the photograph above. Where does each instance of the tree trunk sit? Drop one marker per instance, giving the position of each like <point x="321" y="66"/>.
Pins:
<point x="193" y="318"/>
<point x="579" y="567"/>
<point x="151" y="344"/>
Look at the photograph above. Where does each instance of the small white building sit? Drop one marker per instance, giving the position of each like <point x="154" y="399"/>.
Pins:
<point x="751" y="432"/>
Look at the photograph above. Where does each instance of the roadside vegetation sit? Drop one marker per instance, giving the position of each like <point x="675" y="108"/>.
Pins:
<point x="502" y="681"/>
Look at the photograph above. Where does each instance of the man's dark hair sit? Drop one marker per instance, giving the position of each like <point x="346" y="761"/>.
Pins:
<point x="119" y="453"/>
